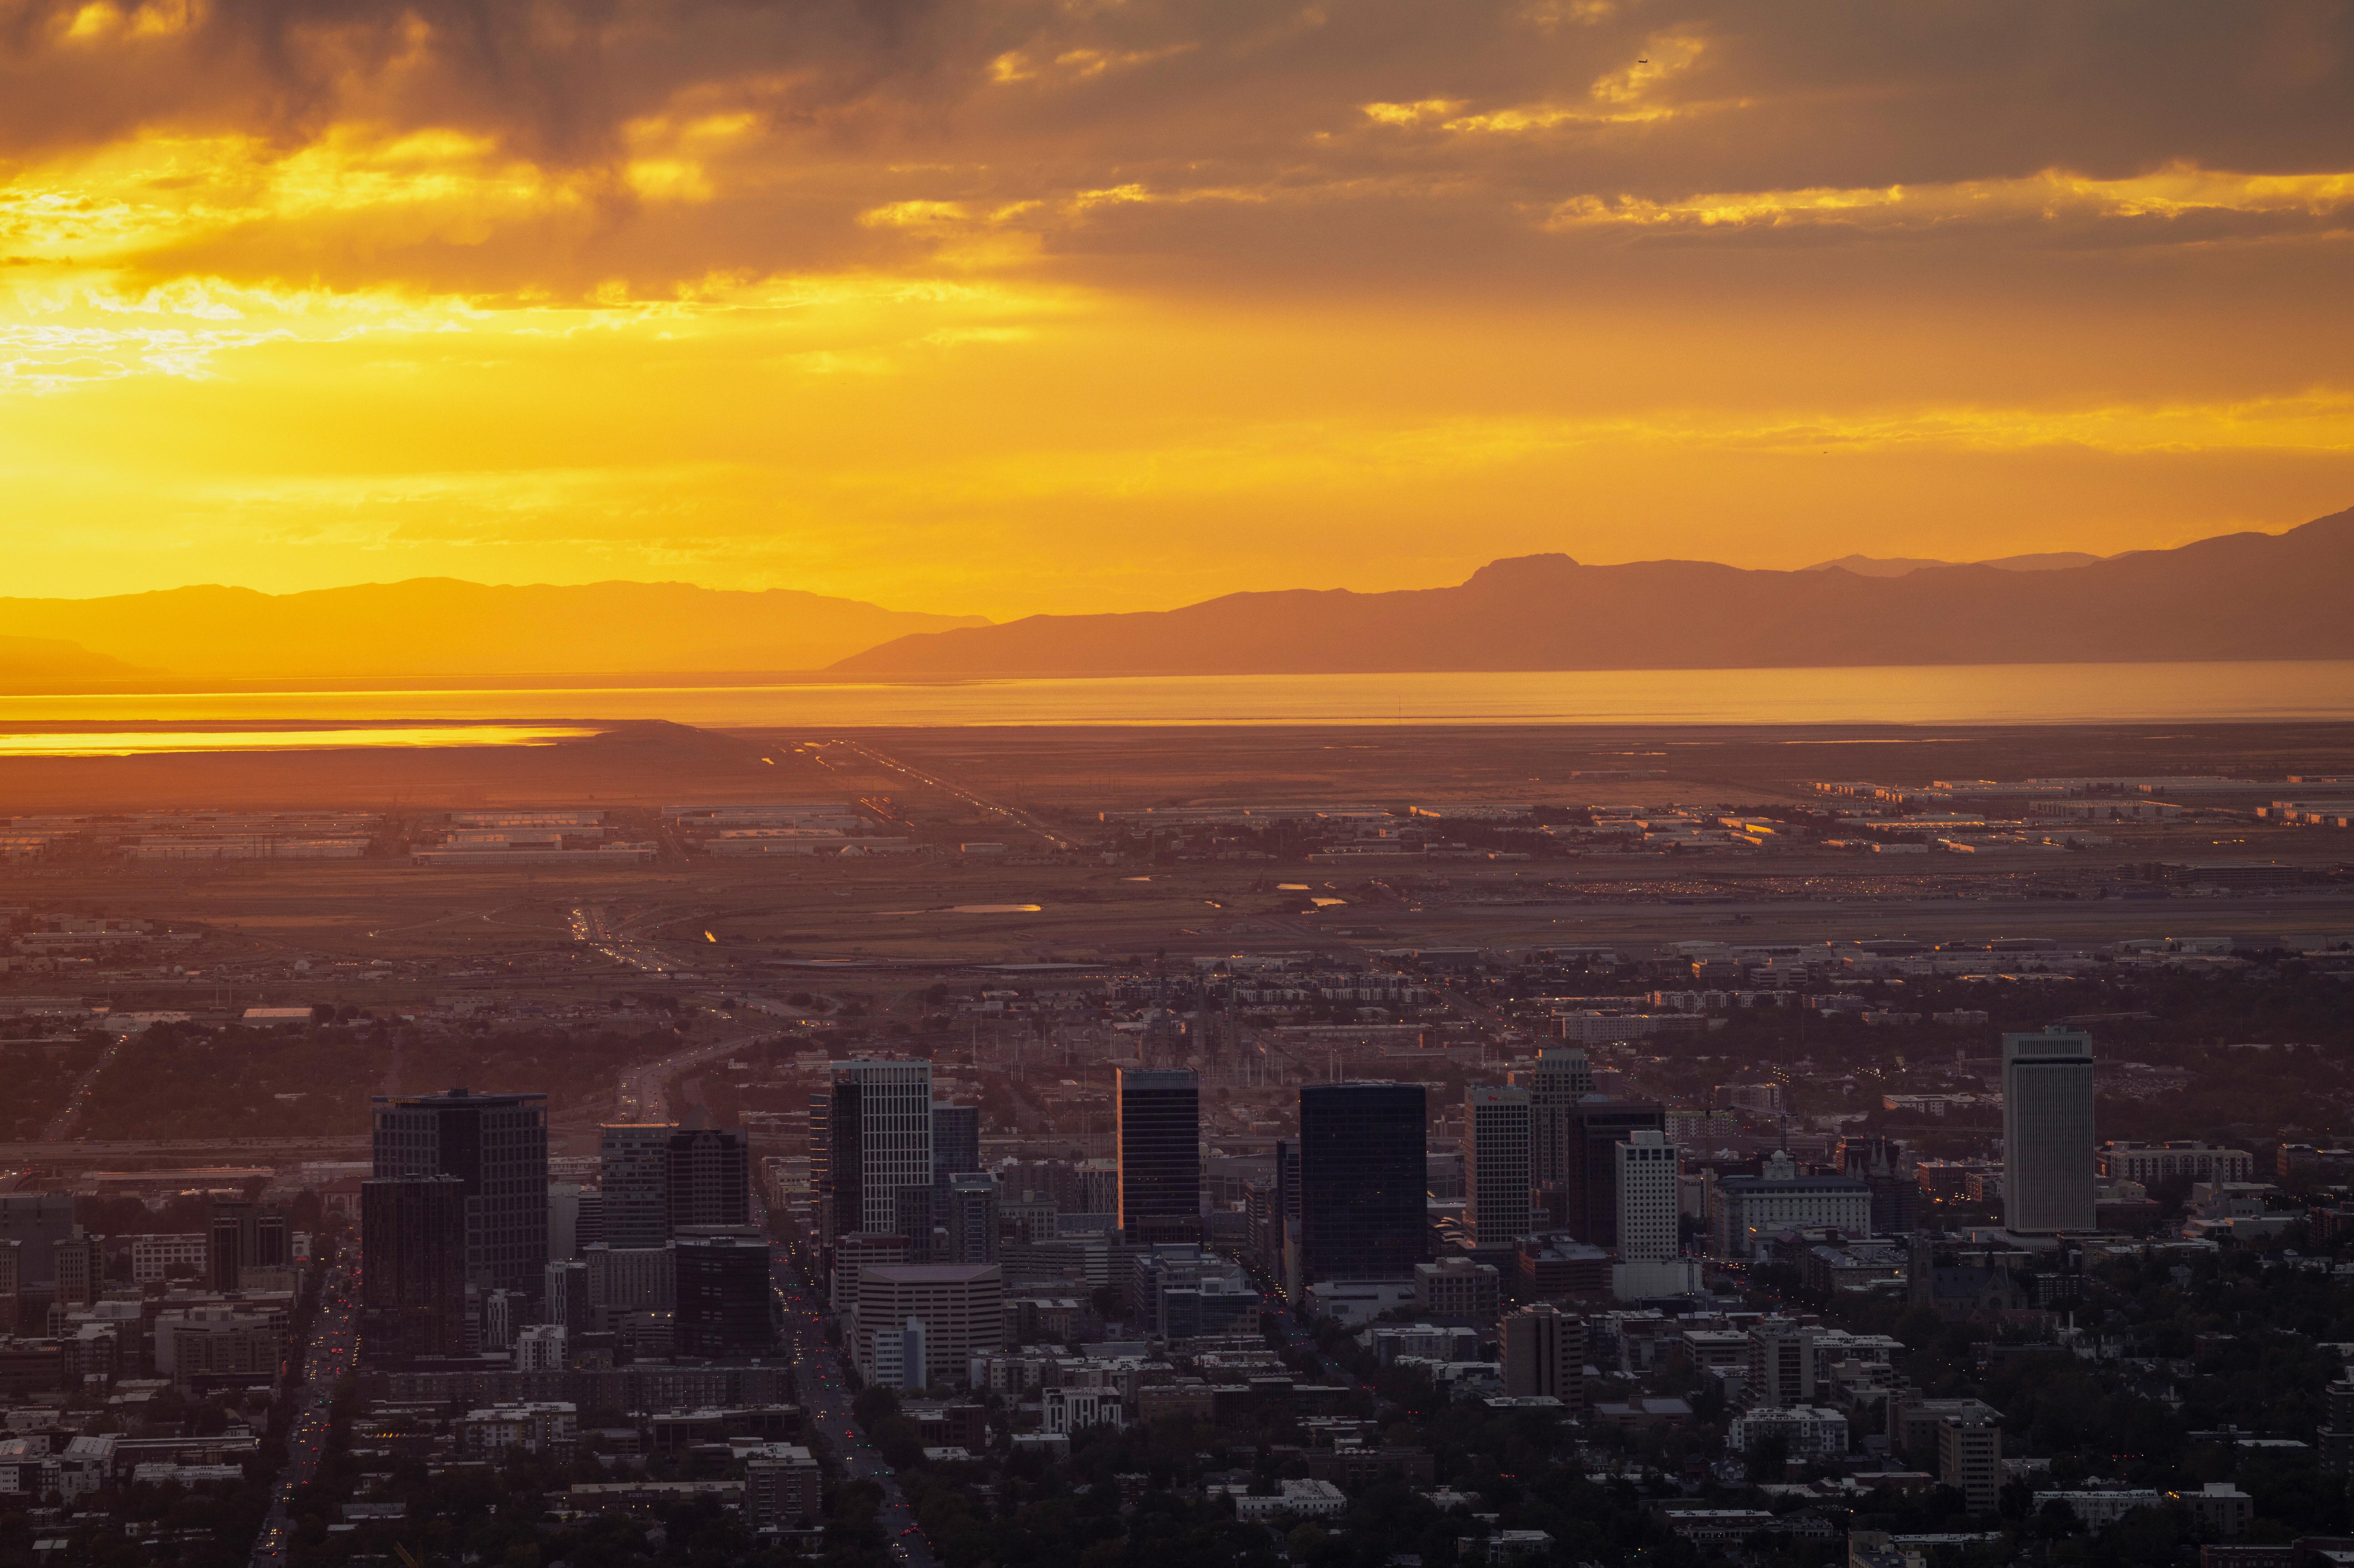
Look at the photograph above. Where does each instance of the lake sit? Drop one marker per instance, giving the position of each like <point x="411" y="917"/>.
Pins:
<point x="2284" y="690"/>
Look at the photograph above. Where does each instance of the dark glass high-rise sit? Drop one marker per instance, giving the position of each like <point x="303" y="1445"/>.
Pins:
<point x="1364" y="1180"/>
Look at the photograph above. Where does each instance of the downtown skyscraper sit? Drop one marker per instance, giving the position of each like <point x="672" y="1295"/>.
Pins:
<point x="1159" y="1145"/>
<point x="496" y="1146"/>
<point x="878" y="1128"/>
<point x="2047" y="1132"/>
<point x="1497" y="1164"/>
<point x="1363" y="1182"/>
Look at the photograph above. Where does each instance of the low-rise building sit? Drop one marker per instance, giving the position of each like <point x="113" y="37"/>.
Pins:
<point x="1067" y="1409"/>
<point x="782" y="1488"/>
<point x="2152" y="1163"/>
<point x="1458" y="1289"/>
<point x="1744" y="1211"/>
<point x="2220" y="1509"/>
<point x="1297" y="1499"/>
<point x="1807" y="1431"/>
<point x="160" y="1256"/>
<point x="222" y="1343"/>
<point x="536" y="1427"/>
<point x="2097" y="1510"/>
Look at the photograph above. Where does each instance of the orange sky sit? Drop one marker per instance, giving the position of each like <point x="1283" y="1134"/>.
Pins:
<point x="1005" y="307"/>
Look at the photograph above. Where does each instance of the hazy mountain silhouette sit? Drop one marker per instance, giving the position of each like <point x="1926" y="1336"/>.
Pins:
<point x="2242" y="596"/>
<point x="49" y="658"/>
<point x="437" y="626"/>
<point x="1900" y="566"/>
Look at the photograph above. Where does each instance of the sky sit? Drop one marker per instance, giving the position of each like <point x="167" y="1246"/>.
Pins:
<point x="999" y="307"/>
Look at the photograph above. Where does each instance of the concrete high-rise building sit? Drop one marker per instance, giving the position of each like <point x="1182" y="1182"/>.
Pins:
<point x="638" y="1280"/>
<point x="1496" y="1171"/>
<point x="12" y="1284"/>
<point x="273" y="1239"/>
<point x="39" y="1221"/>
<point x="1561" y="1079"/>
<point x="1362" y="1192"/>
<point x="1286" y="1175"/>
<point x="241" y="1235"/>
<point x="1650" y="1236"/>
<point x="820" y="1172"/>
<point x="919" y="1211"/>
<point x="1647" y="1199"/>
<point x="497" y="1146"/>
<point x="956" y="1142"/>
<point x="1969" y="1460"/>
<point x="588" y="1223"/>
<point x="972" y="1219"/>
<point x="228" y="1240"/>
<point x="961" y="1309"/>
<point x="563" y="1221"/>
<point x="1781" y="1362"/>
<point x="1545" y="1355"/>
<point x="724" y="1290"/>
<point x="1590" y="1164"/>
<point x="633" y="1163"/>
<point x="710" y="1179"/>
<point x="2047" y="1132"/>
<point x="505" y="1314"/>
<point x="564" y="1296"/>
<point x="879" y="1140"/>
<point x="413" y="1265"/>
<point x="1159" y="1147"/>
<point x="81" y="1269"/>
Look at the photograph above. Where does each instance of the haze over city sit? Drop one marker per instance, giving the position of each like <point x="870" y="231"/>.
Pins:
<point x="1093" y="784"/>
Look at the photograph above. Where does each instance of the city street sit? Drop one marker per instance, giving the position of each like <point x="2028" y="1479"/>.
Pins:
<point x="825" y="1395"/>
<point x="325" y="1360"/>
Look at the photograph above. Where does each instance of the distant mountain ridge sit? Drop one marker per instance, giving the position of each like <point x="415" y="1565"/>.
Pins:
<point x="440" y="626"/>
<point x="1899" y="565"/>
<point x="2239" y="596"/>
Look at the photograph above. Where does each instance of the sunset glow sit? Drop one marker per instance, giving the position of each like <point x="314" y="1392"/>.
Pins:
<point x="1016" y="307"/>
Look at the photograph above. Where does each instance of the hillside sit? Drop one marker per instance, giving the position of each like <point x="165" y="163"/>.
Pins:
<point x="436" y="626"/>
<point x="2241" y="596"/>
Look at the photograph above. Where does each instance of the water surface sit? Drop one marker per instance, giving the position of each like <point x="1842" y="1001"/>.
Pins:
<point x="2317" y="690"/>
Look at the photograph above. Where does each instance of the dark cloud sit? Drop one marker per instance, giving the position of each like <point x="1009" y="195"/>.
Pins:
<point x="555" y="78"/>
<point x="1242" y="126"/>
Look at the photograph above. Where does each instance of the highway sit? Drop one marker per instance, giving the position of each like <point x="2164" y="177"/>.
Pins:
<point x="1013" y="814"/>
<point x="79" y="1101"/>
<point x="89" y="1151"/>
<point x="646" y="1085"/>
<point x="327" y="1358"/>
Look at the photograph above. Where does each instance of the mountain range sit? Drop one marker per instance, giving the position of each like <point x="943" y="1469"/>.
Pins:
<point x="437" y="626"/>
<point x="2240" y="595"/>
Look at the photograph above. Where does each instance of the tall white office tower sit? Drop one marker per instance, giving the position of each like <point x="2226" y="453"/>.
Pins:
<point x="1496" y="1164"/>
<point x="879" y="1125"/>
<point x="2047" y="1132"/>
<point x="1650" y="1242"/>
